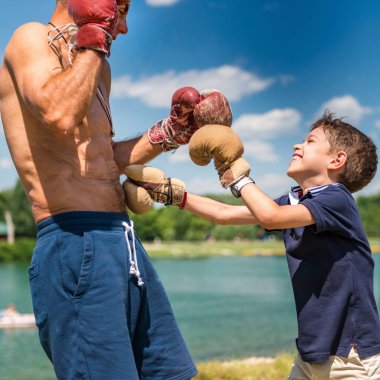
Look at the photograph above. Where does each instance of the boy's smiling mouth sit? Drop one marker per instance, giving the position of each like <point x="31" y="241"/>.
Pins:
<point x="296" y="157"/>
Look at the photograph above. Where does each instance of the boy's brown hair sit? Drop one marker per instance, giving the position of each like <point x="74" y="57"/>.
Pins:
<point x="361" y="153"/>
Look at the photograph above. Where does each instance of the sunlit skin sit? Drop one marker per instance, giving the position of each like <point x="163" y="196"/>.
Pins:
<point x="58" y="133"/>
<point x="313" y="163"/>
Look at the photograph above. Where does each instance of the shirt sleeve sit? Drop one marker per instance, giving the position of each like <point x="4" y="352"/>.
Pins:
<point x="333" y="210"/>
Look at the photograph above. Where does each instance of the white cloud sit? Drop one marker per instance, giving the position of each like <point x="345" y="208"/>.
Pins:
<point x="156" y="90"/>
<point x="180" y="155"/>
<point x="5" y="163"/>
<point x="372" y="188"/>
<point x="346" y="106"/>
<point x="275" y="184"/>
<point x="261" y="151"/>
<point x="268" y="125"/>
<point x="377" y="123"/>
<point x="161" y="3"/>
<point x="209" y="185"/>
<point x="286" y="79"/>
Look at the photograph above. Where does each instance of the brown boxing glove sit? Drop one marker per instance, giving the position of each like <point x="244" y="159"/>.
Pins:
<point x="180" y="125"/>
<point x="96" y="21"/>
<point x="213" y="109"/>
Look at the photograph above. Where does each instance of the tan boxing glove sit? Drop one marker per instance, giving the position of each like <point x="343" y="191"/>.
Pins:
<point x="231" y="173"/>
<point x="215" y="141"/>
<point x="222" y="144"/>
<point x="146" y="184"/>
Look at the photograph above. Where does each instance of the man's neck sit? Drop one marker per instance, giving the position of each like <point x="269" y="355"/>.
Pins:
<point x="60" y="16"/>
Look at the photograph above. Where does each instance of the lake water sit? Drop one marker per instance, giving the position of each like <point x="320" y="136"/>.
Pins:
<point x="226" y="307"/>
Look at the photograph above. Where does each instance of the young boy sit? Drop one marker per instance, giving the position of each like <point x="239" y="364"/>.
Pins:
<point x="328" y="253"/>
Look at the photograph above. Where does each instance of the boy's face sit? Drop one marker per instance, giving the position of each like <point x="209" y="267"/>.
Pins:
<point x="310" y="159"/>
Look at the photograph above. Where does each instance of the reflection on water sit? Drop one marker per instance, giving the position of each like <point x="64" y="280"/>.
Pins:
<point x="226" y="307"/>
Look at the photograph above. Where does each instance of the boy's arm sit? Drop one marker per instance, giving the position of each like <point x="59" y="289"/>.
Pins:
<point x="146" y="184"/>
<point x="224" y="146"/>
<point x="271" y="215"/>
<point x="218" y="212"/>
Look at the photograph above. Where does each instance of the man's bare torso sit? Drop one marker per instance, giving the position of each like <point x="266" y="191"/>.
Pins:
<point x="60" y="172"/>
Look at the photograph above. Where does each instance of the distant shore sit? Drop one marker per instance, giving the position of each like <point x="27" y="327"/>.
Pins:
<point x="166" y="250"/>
<point x="22" y="250"/>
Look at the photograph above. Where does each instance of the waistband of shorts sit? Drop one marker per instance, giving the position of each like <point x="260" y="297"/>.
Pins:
<point x="81" y="221"/>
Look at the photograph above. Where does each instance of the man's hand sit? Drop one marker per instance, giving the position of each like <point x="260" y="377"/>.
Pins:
<point x="222" y="144"/>
<point x="213" y="109"/>
<point x="179" y="126"/>
<point x="96" y="20"/>
<point x="146" y="183"/>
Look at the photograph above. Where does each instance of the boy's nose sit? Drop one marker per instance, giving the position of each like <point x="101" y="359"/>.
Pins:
<point x="297" y="146"/>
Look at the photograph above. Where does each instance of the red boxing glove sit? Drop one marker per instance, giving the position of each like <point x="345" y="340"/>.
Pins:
<point x="96" y="20"/>
<point x="178" y="128"/>
<point x="213" y="109"/>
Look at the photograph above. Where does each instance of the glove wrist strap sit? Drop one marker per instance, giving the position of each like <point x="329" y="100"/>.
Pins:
<point x="92" y="36"/>
<point x="158" y="135"/>
<point x="182" y="206"/>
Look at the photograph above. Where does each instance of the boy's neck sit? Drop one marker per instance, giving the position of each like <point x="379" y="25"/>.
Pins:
<point x="311" y="183"/>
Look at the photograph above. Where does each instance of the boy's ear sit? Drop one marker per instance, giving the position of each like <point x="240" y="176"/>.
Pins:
<point x="338" y="160"/>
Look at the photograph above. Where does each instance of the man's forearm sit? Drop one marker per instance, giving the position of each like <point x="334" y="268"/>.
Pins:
<point x="66" y="96"/>
<point x="134" y="151"/>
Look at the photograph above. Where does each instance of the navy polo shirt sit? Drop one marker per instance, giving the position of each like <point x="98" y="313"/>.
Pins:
<point x="331" y="268"/>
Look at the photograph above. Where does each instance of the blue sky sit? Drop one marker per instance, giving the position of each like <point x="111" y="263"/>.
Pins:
<point x="280" y="64"/>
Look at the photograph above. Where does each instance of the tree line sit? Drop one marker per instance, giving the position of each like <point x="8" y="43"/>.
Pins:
<point x="171" y="224"/>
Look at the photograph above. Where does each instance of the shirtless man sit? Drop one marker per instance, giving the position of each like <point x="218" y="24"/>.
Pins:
<point x="101" y="310"/>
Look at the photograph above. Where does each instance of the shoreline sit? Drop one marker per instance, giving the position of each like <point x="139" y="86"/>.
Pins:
<point x="207" y="249"/>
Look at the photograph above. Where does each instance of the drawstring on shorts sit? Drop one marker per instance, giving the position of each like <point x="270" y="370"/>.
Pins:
<point x="133" y="263"/>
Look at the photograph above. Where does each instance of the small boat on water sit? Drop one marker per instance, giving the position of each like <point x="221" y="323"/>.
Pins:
<point x="11" y="318"/>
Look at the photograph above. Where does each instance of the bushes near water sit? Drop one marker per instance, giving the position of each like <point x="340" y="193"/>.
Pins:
<point x="21" y="251"/>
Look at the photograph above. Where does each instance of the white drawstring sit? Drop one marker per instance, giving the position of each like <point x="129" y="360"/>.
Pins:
<point x="133" y="263"/>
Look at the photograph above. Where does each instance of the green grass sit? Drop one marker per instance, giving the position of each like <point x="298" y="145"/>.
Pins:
<point x="23" y="248"/>
<point x="277" y="368"/>
<point x="217" y="248"/>
<point x="224" y="248"/>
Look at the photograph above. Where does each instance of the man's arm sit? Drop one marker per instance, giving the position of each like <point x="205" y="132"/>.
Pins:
<point x="271" y="215"/>
<point x="134" y="151"/>
<point x="57" y="98"/>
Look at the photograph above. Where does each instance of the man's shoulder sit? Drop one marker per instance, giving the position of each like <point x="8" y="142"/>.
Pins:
<point x="24" y="38"/>
<point x="27" y="32"/>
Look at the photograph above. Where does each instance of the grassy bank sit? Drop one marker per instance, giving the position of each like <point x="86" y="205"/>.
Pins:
<point x="248" y="369"/>
<point x="216" y="248"/>
<point x="23" y="248"/>
<point x="224" y="248"/>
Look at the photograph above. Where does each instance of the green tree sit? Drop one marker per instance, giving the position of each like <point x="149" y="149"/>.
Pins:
<point x="369" y="208"/>
<point x="21" y="212"/>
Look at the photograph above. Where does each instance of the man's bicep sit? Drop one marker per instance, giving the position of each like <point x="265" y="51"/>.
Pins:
<point x="32" y="62"/>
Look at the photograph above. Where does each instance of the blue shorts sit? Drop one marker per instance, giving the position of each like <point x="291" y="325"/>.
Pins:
<point x="100" y="307"/>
